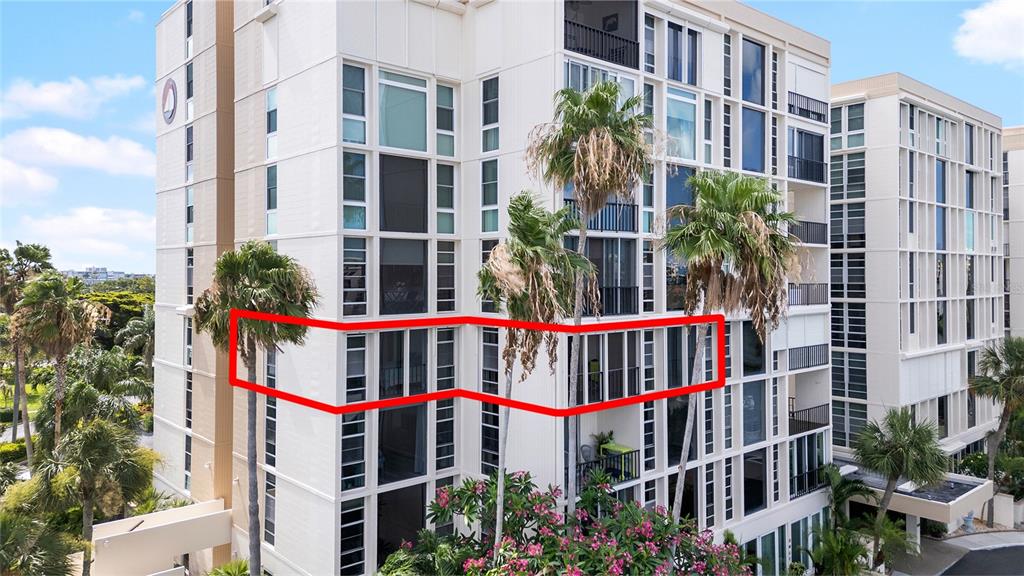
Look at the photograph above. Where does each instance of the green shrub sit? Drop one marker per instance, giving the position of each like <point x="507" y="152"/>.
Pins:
<point x="6" y="414"/>
<point x="933" y="528"/>
<point x="12" y="451"/>
<point x="147" y="422"/>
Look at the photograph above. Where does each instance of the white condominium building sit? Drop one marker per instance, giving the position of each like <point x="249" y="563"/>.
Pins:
<point x="378" y="143"/>
<point x="917" y="257"/>
<point x="1013" y="229"/>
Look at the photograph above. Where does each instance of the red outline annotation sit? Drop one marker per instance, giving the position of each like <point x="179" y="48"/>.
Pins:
<point x="448" y="321"/>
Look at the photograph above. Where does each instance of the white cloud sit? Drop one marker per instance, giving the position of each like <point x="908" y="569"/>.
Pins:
<point x="22" y="184"/>
<point x="993" y="33"/>
<point x="71" y="98"/>
<point x="136" y="16"/>
<point x="94" y="236"/>
<point x="41" y="146"/>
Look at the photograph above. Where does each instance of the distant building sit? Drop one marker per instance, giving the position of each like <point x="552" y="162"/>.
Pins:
<point x="93" y="275"/>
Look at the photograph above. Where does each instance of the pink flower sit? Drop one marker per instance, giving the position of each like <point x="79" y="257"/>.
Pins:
<point x="443" y="497"/>
<point x="535" y="549"/>
<point x="571" y="570"/>
<point x="406" y="545"/>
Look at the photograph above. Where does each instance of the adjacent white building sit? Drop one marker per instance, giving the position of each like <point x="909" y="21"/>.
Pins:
<point x="378" y="143"/>
<point x="1013" y="229"/>
<point x="917" y="256"/>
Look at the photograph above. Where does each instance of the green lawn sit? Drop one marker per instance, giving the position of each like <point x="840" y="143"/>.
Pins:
<point x="35" y="398"/>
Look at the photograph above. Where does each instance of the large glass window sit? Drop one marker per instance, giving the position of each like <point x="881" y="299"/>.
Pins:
<point x="753" y="72"/>
<point x="677" y="407"/>
<point x="753" y="412"/>
<point x="403" y="111"/>
<point x="402" y="443"/>
<point x="403" y="194"/>
<point x="753" y="140"/>
<point x="445" y="120"/>
<point x="753" y="351"/>
<point x="682" y="127"/>
<point x="755" y="485"/>
<point x="403" y="276"/>
<point x="353" y="525"/>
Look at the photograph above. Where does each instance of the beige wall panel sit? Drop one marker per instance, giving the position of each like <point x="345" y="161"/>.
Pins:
<point x="170" y="41"/>
<point x="170" y="226"/>
<point x="170" y="268"/>
<point x="305" y="528"/>
<point x="306" y="35"/>
<point x="205" y="142"/>
<point x="170" y="149"/>
<point x="204" y="72"/>
<point x="169" y="336"/>
<point x="205" y="230"/>
<point x="250" y="205"/>
<point x="422" y="37"/>
<point x="308" y="104"/>
<point x="357" y="21"/>
<point x="392" y="34"/>
<point x="248" y="59"/>
<point x="245" y="10"/>
<point x="251" y="130"/>
<point x="204" y="24"/>
<point x="448" y="44"/>
<point x="169" y="441"/>
<point x="308" y="189"/>
<point x="169" y="400"/>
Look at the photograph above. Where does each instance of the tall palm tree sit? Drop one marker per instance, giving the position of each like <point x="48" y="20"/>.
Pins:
<point x="29" y="547"/>
<point x="112" y="371"/>
<point x="532" y="275"/>
<point x="1001" y="378"/>
<point x="738" y="256"/>
<point x="258" y="279"/>
<point x="55" y="316"/>
<point x="16" y="270"/>
<point x="597" y="147"/>
<point x="899" y="447"/>
<point x="98" y="462"/>
<point x="138" y="336"/>
<point x="838" y="553"/>
<point x="840" y="490"/>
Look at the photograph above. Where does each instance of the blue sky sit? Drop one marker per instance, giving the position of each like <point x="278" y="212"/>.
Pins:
<point x="76" y="100"/>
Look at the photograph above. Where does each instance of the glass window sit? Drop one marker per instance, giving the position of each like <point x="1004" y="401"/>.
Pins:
<point x="755" y="485"/>
<point x="940" y="228"/>
<point x="353" y="555"/>
<point x="445" y="199"/>
<point x="489" y="196"/>
<point x="648" y="43"/>
<point x="403" y="194"/>
<point x="753" y="412"/>
<point x="753" y="72"/>
<point x="692" y="42"/>
<point x="402" y="443"/>
<point x="272" y="199"/>
<point x="675" y="52"/>
<point x="681" y="115"/>
<point x="836" y="120"/>
<point x="854" y="117"/>
<point x="403" y="276"/>
<point x="445" y="276"/>
<point x="403" y="111"/>
<point x="489" y="99"/>
<point x="753" y="351"/>
<point x="753" y="140"/>
<point x="189" y="91"/>
<point x="445" y="120"/>
<point x="269" y="507"/>
<point x="353" y="107"/>
<point x="354" y="190"/>
<point x="354" y="280"/>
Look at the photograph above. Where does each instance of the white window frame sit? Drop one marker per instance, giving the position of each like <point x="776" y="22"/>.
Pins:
<point x="411" y="86"/>
<point x="345" y="202"/>
<point x="495" y="126"/>
<point x="455" y="121"/>
<point x="354" y="117"/>
<point x="271" y="106"/>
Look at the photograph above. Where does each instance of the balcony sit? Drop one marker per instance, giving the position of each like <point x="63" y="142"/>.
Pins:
<point x="808" y="107"/>
<point x="621" y="467"/>
<point x="810" y="232"/>
<point x="807" y="419"/>
<point x="807" y="169"/>
<point x="614" y="217"/>
<point x="606" y="46"/>
<point x="806" y="482"/>
<point x="617" y="301"/>
<point x="808" y="294"/>
<point x="808" y="356"/>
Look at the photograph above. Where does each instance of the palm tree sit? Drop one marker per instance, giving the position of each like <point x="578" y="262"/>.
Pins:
<point x="137" y="336"/>
<point x="1001" y="378"/>
<point x="899" y="447"/>
<point x="16" y="270"/>
<point x="840" y="490"/>
<point x="258" y="279"/>
<point x="29" y="547"/>
<point x="738" y="257"/>
<point x="838" y="553"/>
<point x="98" y="462"/>
<point x="112" y="371"/>
<point x="55" y="316"/>
<point x="533" y="276"/>
<point x="596" y="147"/>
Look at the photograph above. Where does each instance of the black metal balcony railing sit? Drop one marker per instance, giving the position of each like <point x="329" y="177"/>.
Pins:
<point x="807" y="169"/>
<point x="808" y="356"/>
<point x="617" y="301"/>
<point x="621" y="382"/>
<point x="806" y="482"/>
<point x="807" y="419"/>
<point x="614" y="217"/>
<point x="808" y="107"/>
<point x="600" y="44"/>
<point x="808" y="294"/>
<point x="810" y="232"/>
<point x="621" y="467"/>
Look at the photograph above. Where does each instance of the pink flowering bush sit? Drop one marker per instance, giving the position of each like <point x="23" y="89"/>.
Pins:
<point x="605" y="537"/>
